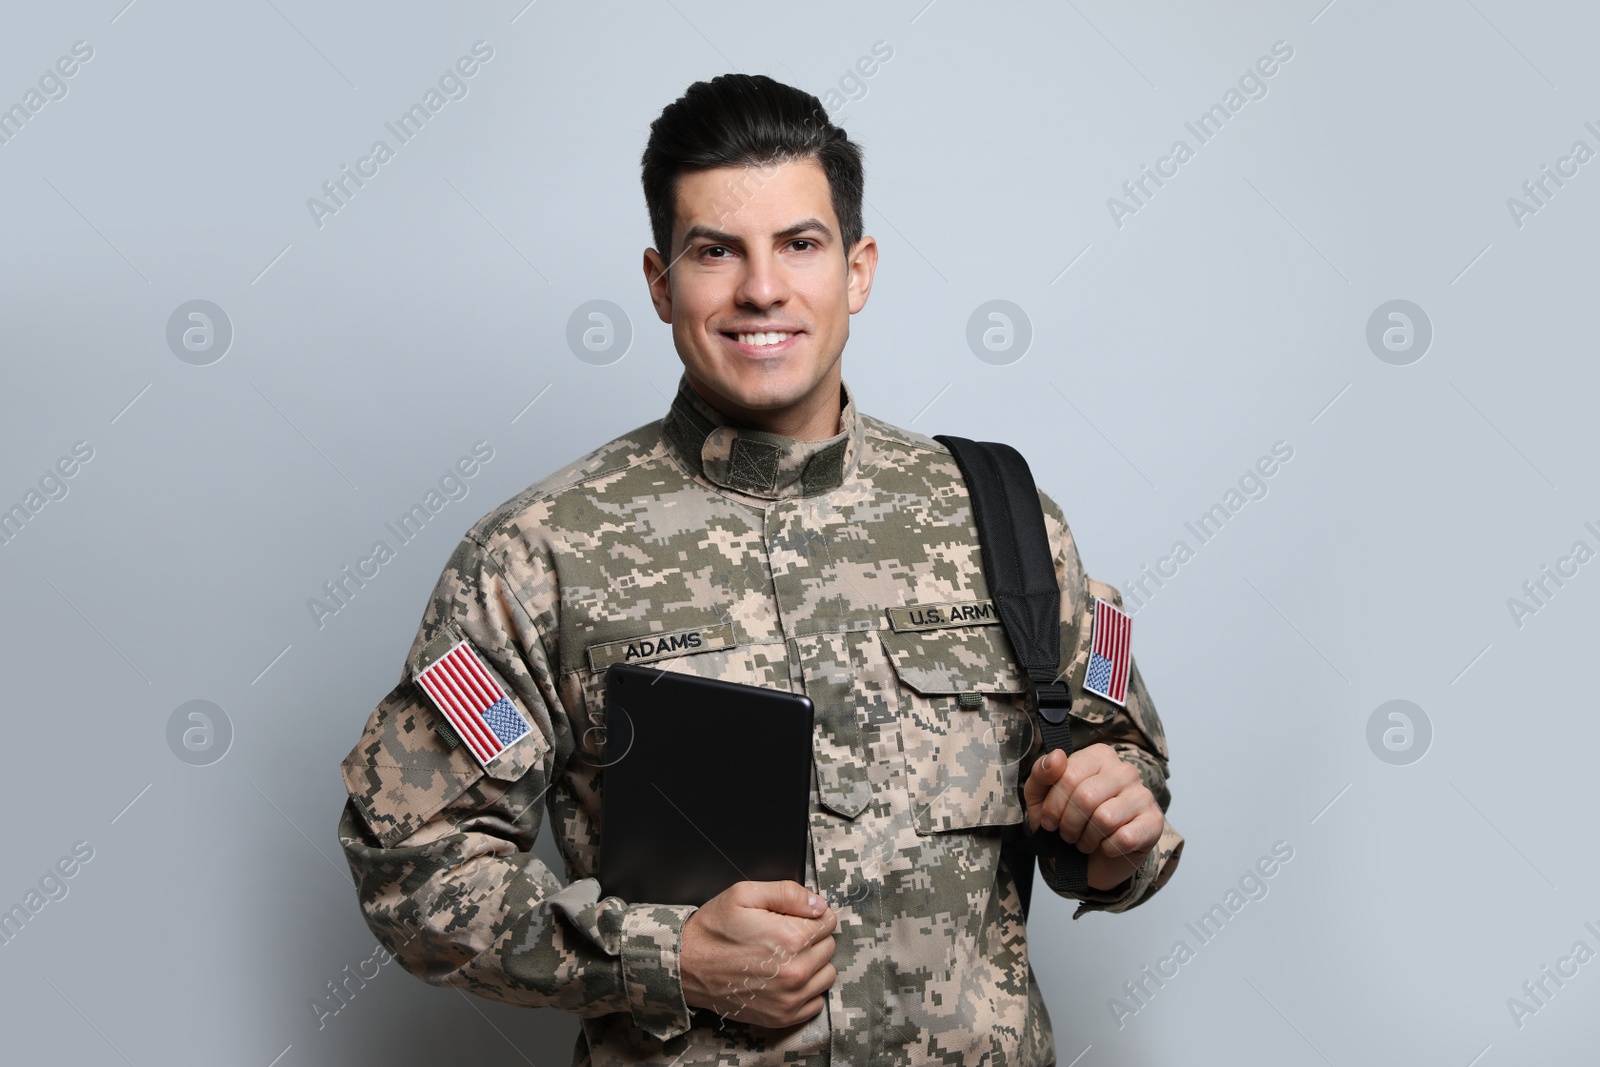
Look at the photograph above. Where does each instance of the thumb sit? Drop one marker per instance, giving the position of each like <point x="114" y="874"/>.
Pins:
<point x="1046" y="772"/>
<point x="786" y="898"/>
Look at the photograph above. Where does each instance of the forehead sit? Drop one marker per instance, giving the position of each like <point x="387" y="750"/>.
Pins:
<point x="754" y="200"/>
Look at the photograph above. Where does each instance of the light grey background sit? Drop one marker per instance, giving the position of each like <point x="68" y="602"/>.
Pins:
<point x="1168" y="353"/>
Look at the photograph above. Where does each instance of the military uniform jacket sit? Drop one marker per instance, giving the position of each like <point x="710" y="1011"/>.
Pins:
<point x="847" y="569"/>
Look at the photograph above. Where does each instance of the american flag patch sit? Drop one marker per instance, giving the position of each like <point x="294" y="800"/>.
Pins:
<point x="1109" y="659"/>
<point x="474" y="703"/>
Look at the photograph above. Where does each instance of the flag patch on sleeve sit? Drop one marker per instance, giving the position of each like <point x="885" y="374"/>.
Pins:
<point x="1109" y="656"/>
<point x="472" y="700"/>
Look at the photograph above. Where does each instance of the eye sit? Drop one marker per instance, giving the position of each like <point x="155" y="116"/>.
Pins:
<point x="716" y="248"/>
<point x="808" y="242"/>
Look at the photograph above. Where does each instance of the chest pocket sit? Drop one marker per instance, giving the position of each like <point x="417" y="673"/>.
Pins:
<point x="964" y="725"/>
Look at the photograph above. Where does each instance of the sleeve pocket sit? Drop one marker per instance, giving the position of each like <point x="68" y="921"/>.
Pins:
<point x="402" y="772"/>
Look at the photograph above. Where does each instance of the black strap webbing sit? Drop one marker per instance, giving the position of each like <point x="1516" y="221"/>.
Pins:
<point x="1022" y="582"/>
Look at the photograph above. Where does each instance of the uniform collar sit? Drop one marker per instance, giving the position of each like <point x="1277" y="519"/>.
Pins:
<point x="760" y="464"/>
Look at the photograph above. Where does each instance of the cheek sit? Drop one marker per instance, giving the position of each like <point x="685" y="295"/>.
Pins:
<point x="694" y="304"/>
<point x="831" y="301"/>
<point x="688" y="335"/>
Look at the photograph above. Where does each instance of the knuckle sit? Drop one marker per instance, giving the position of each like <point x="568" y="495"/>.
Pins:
<point x="1077" y="812"/>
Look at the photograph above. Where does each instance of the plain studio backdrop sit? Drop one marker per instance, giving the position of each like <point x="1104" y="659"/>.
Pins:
<point x="1370" y="270"/>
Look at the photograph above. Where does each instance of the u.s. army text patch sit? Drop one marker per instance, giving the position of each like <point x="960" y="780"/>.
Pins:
<point x="915" y="617"/>
<point x="651" y="647"/>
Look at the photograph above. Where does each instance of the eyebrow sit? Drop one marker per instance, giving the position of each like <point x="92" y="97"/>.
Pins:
<point x="717" y="236"/>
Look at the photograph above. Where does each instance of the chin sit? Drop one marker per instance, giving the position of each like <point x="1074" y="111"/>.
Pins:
<point x="762" y="388"/>
<point x="764" y="396"/>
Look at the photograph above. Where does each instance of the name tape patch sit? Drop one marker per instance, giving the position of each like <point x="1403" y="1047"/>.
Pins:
<point x="937" y="616"/>
<point x="652" y="647"/>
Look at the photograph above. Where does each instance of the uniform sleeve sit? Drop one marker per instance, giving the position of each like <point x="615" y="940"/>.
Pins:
<point x="1134" y="732"/>
<point x="441" y="847"/>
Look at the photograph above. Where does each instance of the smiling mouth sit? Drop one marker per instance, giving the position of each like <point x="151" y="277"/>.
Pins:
<point x="765" y="339"/>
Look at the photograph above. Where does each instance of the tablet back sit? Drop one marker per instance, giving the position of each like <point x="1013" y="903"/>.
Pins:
<point x="705" y="783"/>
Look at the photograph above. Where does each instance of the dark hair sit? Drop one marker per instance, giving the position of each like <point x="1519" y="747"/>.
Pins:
<point x="737" y="120"/>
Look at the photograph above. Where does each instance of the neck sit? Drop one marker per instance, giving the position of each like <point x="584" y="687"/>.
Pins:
<point x="813" y="418"/>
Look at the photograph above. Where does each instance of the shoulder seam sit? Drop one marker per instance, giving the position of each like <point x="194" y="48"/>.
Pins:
<point x="905" y="442"/>
<point x="491" y="530"/>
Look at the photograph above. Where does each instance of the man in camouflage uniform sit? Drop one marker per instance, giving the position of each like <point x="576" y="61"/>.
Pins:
<point x="763" y="532"/>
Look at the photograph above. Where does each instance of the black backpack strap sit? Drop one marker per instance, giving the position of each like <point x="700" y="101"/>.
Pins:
<point x="1022" y="582"/>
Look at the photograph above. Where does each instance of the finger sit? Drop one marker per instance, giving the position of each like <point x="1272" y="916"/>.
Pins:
<point x="818" y="930"/>
<point x="810" y="1010"/>
<point x="1109" y="817"/>
<point x="1075" y="770"/>
<point x="815" y="957"/>
<point x="1085" y="786"/>
<point x="783" y="897"/>
<point x="788" y="935"/>
<point x="1072" y="802"/>
<point x="820" y="982"/>
<point x="1136" y="837"/>
<point x="809" y="998"/>
<point x="1046" y="773"/>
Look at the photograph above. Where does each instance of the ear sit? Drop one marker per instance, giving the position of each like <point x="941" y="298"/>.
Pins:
<point x="659" y="279"/>
<point x="859" y="269"/>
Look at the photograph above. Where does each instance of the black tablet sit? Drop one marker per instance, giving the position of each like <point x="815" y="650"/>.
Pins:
<point x="705" y="783"/>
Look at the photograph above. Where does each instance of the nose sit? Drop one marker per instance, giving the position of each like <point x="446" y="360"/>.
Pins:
<point x="763" y="283"/>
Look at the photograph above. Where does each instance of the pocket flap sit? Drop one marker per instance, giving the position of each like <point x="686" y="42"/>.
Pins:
<point x="957" y="659"/>
<point x="401" y="773"/>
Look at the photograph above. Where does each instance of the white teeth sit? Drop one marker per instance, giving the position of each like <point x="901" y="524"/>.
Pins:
<point x="760" y="340"/>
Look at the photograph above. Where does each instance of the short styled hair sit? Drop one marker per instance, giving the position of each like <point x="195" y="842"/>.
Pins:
<point x="737" y="120"/>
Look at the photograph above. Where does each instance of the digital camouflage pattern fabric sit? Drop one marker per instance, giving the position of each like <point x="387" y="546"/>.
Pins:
<point x="847" y="569"/>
